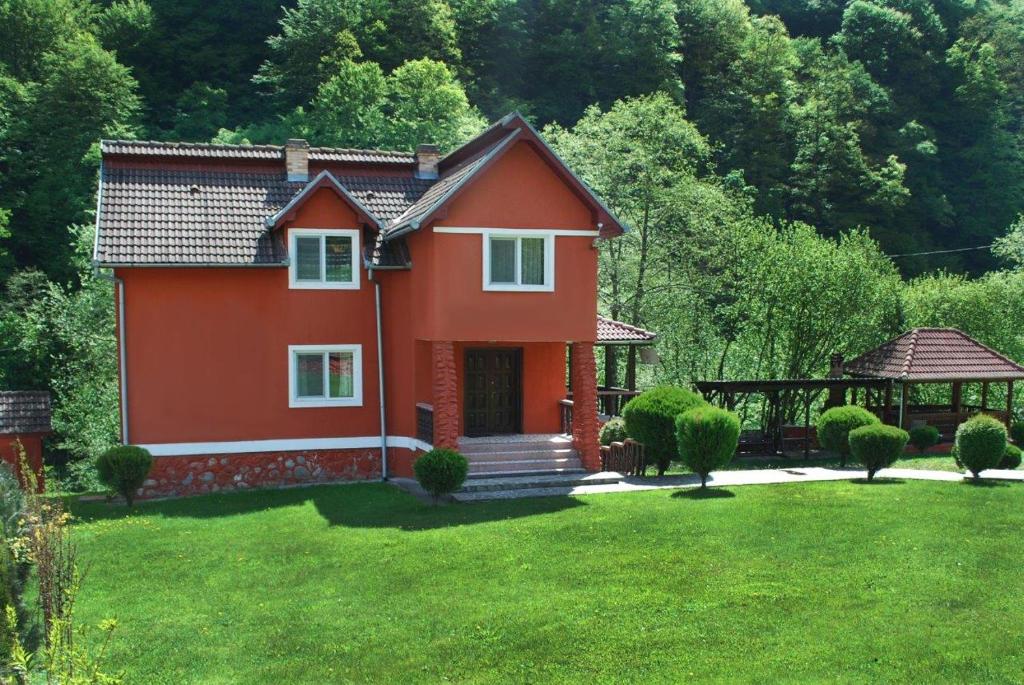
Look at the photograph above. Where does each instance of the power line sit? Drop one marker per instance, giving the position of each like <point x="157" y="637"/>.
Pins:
<point x="959" y="249"/>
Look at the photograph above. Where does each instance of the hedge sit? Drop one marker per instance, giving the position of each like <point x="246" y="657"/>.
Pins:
<point x="124" y="469"/>
<point x="835" y="424"/>
<point x="707" y="438"/>
<point x="980" y="443"/>
<point x="441" y="472"/>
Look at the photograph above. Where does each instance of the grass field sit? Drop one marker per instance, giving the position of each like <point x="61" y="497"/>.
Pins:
<point x="841" y="581"/>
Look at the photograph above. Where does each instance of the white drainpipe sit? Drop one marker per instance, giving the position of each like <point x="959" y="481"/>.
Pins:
<point x="380" y="382"/>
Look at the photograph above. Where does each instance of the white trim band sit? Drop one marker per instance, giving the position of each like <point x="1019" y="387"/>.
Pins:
<point x="183" y="449"/>
<point x="563" y="232"/>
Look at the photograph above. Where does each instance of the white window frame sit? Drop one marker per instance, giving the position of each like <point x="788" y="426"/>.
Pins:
<point x="549" y="261"/>
<point x="322" y="233"/>
<point x="296" y="402"/>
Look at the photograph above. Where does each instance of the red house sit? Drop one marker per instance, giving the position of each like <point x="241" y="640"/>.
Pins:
<point x="306" y="314"/>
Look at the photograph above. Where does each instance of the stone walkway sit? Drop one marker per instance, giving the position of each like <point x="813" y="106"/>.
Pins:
<point x="732" y="479"/>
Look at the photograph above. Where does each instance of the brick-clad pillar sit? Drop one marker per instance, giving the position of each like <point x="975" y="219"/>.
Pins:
<point x="584" y="410"/>
<point x="446" y="404"/>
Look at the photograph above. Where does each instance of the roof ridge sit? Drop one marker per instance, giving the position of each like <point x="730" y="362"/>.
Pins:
<point x="908" y="358"/>
<point x="258" y="147"/>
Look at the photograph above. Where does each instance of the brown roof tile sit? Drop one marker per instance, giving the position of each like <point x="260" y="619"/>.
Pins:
<point x="24" y="412"/>
<point x="935" y="354"/>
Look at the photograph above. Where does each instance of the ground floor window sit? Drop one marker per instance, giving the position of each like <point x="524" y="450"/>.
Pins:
<point x="325" y="375"/>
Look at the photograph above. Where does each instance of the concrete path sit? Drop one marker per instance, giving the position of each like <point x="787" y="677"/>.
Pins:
<point x="732" y="479"/>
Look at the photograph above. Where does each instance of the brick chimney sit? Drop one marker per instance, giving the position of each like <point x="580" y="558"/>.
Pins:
<point x="427" y="157"/>
<point x="836" y="370"/>
<point x="296" y="159"/>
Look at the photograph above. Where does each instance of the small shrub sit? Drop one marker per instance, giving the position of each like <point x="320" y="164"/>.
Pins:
<point x="651" y="419"/>
<point x="1017" y="432"/>
<point x="877" y="446"/>
<point x="980" y="443"/>
<point x="707" y="438"/>
<point x="1011" y="457"/>
<point x="923" y="437"/>
<point x="835" y="424"/>
<point x="124" y="469"/>
<point x="613" y="431"/>
<point x="441" y="471"/>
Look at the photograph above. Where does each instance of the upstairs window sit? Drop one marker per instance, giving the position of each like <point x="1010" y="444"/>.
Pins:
<point x="323" y="258"/>
<point x="519" y="262"/>
<point x="328" y="376"/>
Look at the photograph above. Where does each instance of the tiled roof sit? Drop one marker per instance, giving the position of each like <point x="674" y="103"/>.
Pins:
<point x="934" y="354"/>
<point x="612" y="332"/>
<point x="217" y="217"/>
<point x="388" y="254"/>
<point x="152" y="148"/>
<point x="24" y="412"/>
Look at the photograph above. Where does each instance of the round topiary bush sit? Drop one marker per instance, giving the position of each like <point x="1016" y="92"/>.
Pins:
<point x="124" y="469"/>
<point x="613" y="431"/>
<point x="1011" y="457"/>
<point x="980" y="443"/>
<point x="923" y="437"/>
<point x="651" y="420"/>
<point x="441" y="471"/>
<point x="1017" y="432"/>
<point x="877" y="446"/>
<point x="835" y="424"/>
<point x="706" y="438"/>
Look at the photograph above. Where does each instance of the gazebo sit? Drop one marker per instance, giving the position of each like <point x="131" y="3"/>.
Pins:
<point x="937" y="356"/>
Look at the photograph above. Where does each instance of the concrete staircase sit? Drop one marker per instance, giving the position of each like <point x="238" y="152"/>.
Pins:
<point x="520" y="455"/>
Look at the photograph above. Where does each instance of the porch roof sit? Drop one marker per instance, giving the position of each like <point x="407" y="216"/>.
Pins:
<point x="611" y="332"/>
<point x="935" y="355"/>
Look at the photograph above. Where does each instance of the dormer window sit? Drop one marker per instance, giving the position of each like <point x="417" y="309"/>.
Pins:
<point x="519" y="262"/>
<point x="323" y="258"/>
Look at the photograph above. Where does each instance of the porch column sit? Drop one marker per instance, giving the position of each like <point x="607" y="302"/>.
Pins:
<point x="446" y="401"/>
<point x="584" y="409"/>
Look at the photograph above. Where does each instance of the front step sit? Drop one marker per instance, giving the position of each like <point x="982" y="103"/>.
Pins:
<point x="501" y="444"/>
<point x="520" y="455"/>
<point x="535" y="481"/>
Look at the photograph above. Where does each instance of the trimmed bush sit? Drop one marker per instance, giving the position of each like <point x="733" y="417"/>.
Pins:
<point x="707" y="438"/>
<point x="651" y="419"/>
<point x="613" y="431"/>
<point x="923" y="437"/>
<point x="835" y="424"/>
<point x="980" y="443"/>
<point x="1017" y="432"/>
<point x="1011" y="457"/>
<point x="124" y="469"/>
<point x="877" y="446"/>
<point x="441" y="471"/>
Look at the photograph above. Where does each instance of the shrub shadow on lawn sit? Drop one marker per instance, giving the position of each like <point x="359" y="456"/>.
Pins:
<point x="986" y="482"/>
<point x="360" y="505"/>
<point x="703" y="493"/>
<point x="879" y="480"/>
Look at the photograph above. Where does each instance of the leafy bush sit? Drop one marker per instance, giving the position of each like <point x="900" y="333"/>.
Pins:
<point x="877" y="446"/>
<point x="124" y="469"/>
<point x="923" y="437"/>
<point x="1011" y="457"/>
<point x="1017" y="432"/>
<point x="14" y="570"/>
<point x="706" y="438"/>
<point x="651" y="419"/>
<point x="835" y="424"/>
<point x="613" y="431"/>
<point x="980" y="443"/>
<point x="441" y="471"/>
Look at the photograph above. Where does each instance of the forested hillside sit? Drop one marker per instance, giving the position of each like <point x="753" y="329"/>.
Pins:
<point x="767" y="152"/>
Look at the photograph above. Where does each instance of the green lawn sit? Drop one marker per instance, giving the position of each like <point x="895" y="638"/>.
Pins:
<point x="899" y="581"/>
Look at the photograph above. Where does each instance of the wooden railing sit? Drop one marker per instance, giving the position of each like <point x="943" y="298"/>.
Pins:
<point x="425" y="423"/>
<point x="565" y="409"/>
<point x="610" y="401"/>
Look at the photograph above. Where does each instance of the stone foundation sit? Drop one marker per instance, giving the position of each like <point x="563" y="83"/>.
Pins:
<point x="199" y="474"/>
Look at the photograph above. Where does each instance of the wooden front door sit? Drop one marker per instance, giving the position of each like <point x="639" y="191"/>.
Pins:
<point x="493" y="391"/>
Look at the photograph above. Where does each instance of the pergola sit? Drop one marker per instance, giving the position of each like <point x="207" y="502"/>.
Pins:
<point x="937" y="356"/>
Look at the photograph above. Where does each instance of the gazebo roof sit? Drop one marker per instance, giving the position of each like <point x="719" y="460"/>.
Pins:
<point x="24" y="412"/>
<point x="935" y="355"/>
<point x="611" y="332"/>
